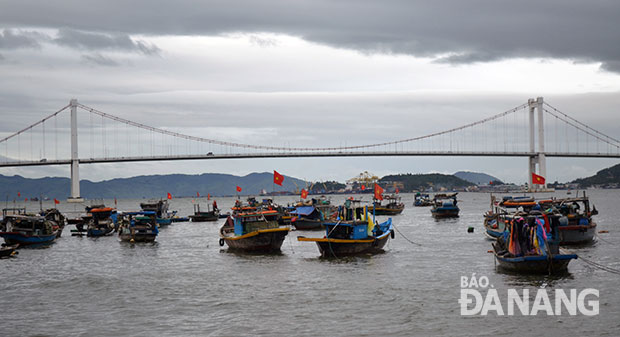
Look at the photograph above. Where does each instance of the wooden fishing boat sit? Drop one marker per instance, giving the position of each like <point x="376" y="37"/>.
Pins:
<point x="536" y="252"/>
<point x="392" y="207"/>
<point x="29" y="230"/>
<point x="354" y="232"/>
<point x="576" y="224"/>
<point x="422" y="200"/>
<point x="58" y="220"/>
<point x="311" y="215"/>
<point x="209" y="215"/>
<point x="254" y="231"/>
<point x="138" y="226"/>
<point x="8" y="251"/>
<point x="102" y="222"/>
<point x="444" y="206"/>
<point x="574" y="216"/>
<point x="160" y="207"/>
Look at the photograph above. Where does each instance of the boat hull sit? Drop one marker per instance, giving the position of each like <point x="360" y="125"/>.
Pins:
<point x="387" y="211"/>
<point x="308" y="224"/>
<point x="558" y="263"/>
<point x="12" y="238"/>
<point x="579" y="234"/>
<point x="99" y="232"/>
<point x="261" y="241"/>
<point x="203" y="218"/>
<point x="440" y="213"/>
<point x="8" y="251"/>
<point x="329" y="249"/>
<point x="138" y="237"/>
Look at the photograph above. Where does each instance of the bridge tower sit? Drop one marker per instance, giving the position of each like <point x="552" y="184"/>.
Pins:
<point x="75" y="161"/>
<point x="537" y="157"/>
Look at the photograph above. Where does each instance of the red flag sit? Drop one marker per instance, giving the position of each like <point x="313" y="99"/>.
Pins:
<point x="26" y="199"/>
<point x="304" y="193"/>
<point x="19" y="194"/>
<point x="197" y="194"/>
<point x="378" y="192"/>
<point x="169" y="195"/>
<point x="363" y="187"/>
<point x="278" y="179"/>
<point x="56" y="202"/>
<point x="238" y="189"/>
<point x="536" y="179"/>
<point x="208" y="196"/>
<point x="396" y="190"/>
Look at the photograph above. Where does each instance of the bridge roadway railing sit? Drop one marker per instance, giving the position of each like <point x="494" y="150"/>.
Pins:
<point x="309" y="155"/>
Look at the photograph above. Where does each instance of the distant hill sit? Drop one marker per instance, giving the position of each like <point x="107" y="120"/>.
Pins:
<point x="145" y="186"/>
<point x="413" y="182"/>
<point x="608" y="176"/>
<point x="475" y="177"/>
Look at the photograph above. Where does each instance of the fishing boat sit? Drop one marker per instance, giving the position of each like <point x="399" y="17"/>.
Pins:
<point x="160" y="207"/>
<point x="102" y="222"/>
<point x="311" y="214"/>
<point x="209" y="215"/>
<point x="444" y="206"/>
<point x="531" y="246"/>
<point x="393" y="206"/>
<point x="8" y="250"/>
<point x="355" y="232"/>
<point x="422" y="200"/>
<point x="576" y="224"/>
<point x="138" y="226"/>
<point x="29" y="230"/>
<point x="502" y="212"/>
<point x="58" y="220"/>
<point x="253" y="229"/>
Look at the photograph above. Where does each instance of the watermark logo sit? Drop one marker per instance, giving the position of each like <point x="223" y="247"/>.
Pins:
<point x="478" y="297"/>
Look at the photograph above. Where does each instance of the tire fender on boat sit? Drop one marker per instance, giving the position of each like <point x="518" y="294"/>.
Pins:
<point x="221" y="242"/>
<point x="392" y="233"/>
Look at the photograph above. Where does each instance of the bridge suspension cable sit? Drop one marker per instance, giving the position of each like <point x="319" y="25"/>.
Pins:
<point x="291" y="149"/>
<point x="34" y="125"/>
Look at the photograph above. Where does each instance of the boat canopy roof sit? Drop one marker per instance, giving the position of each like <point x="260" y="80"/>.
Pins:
<point x="306" y="210"/>
<point x="140" y="213"/>
<point x="101" y="210"/>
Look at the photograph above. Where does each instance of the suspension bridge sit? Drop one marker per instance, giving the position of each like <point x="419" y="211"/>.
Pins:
<point x="110" y="138"/>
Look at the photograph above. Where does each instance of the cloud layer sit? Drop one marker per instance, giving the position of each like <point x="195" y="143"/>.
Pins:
<point x="453" y="31"/>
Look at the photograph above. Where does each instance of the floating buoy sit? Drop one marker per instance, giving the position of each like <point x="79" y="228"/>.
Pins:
<point x="470" y="229"/>
<point x="489" y="251"/>
<point x="132" y="241"/>
<point x="221" y="242"/>
<point x="392" y="234"/>
<point x="605" y="231"/>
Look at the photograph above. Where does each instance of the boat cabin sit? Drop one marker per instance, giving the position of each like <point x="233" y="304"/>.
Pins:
<point x="247" y="222"/>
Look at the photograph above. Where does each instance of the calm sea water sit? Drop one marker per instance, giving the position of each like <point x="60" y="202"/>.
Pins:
<point x="185" y="284"/>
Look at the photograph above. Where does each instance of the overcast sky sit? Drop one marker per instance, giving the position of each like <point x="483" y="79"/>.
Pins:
<point x="311" y="73"/>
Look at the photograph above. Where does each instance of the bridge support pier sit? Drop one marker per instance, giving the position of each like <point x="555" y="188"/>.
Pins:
<point x="539" y="158"/>
<point x="75" y="162"/>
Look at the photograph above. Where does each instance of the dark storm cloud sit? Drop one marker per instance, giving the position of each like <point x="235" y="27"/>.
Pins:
<point x="97" y="41"/>
<point x="470" y="31"/>
<point x="10" y="39"/>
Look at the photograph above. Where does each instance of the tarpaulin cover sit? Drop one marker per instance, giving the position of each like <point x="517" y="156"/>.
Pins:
<point x="307" y="210"/>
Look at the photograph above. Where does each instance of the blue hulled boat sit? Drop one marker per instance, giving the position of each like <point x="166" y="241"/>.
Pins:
<point x="444" y="206"/>
<point x="29" y="230"/>
<point x="422" y="200"/>
<point x="160" y="207"/>
<point x="355" y="232"/>
<point x="138" y="226"/>
<point x="531" y="246"/>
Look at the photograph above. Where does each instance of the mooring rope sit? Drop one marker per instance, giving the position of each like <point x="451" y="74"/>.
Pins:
<point x="404" y="237"/>
<point x="594" y="264"/>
